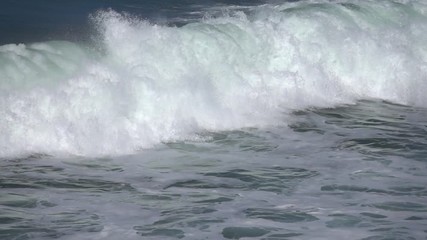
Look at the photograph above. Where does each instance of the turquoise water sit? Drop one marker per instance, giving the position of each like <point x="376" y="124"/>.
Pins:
<point x="213" y="120"/>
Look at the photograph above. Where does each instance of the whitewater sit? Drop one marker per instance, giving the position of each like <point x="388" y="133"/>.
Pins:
<point x="257" y="120"/>
<point x="143" y="84"/>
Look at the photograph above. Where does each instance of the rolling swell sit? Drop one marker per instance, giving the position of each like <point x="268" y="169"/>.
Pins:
<point x="152" y="83"/>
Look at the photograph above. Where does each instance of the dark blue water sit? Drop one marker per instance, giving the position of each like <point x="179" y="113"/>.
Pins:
<point x="41" y="20"/>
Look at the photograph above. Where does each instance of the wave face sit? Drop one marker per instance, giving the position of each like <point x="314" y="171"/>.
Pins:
<point x="153" y="83"/>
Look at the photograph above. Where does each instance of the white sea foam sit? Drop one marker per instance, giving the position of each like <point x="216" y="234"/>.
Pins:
<point x="155" y="83"/>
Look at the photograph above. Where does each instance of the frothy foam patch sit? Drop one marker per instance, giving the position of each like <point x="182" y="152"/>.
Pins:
<point x="155" y="83"/>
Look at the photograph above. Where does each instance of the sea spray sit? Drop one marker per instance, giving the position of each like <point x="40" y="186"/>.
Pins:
<point x="153" y="83"/>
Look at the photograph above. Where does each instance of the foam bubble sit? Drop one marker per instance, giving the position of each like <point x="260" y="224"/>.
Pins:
<point x="155" y="83"/>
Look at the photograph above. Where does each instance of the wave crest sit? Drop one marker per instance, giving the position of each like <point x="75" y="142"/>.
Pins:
<point x="156" y="83"/>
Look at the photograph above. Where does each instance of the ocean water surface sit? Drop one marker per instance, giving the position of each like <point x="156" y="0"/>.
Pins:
<point x="213" y="119"/>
